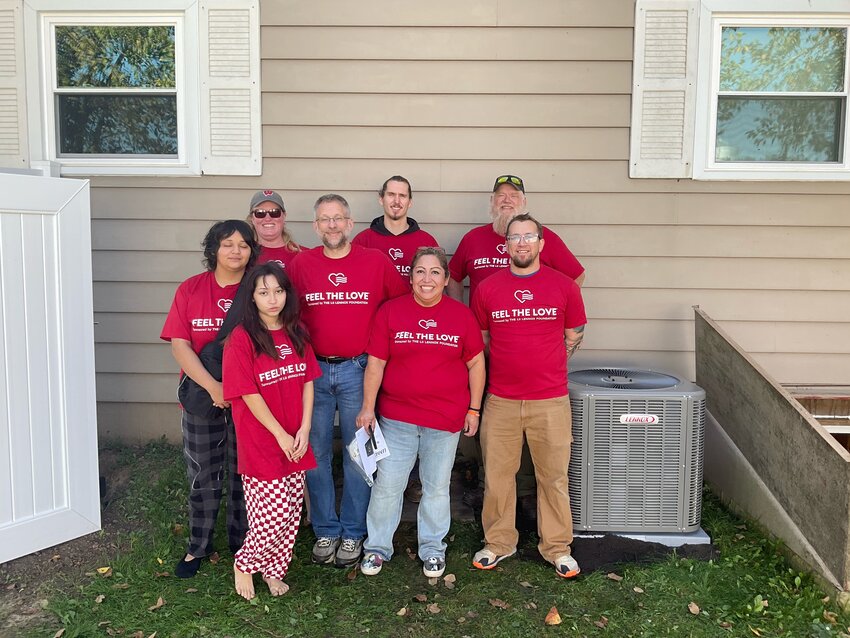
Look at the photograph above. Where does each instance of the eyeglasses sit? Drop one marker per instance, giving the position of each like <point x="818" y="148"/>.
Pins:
<point x="274" y="213"/>
<point x="528" y="238"/>
<point x="509" y="179"/>
<point x="325" y="221"/>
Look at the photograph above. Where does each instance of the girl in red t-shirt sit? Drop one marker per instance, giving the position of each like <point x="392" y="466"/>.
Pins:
<point x="268" y="375"/>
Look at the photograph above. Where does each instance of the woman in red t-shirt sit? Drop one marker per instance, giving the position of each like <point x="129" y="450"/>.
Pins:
<point x="426" y="357"/>
<point x="268" y="375"/>
<point x="267" y="215"/>
<point x="209" y="447"/>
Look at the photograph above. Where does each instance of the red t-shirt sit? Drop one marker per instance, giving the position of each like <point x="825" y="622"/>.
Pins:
<point x="426" y="381"/>
<point x="281" y="255"/>
<point x="399" y="248"/>
<point x="339" y="297"/>
<point x="526" y="317"/>
<point x="281" y="384"/>
<point x="198" y="310"/>
<point x="482" y="252"/>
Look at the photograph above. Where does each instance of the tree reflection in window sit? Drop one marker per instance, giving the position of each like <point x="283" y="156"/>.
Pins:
<point x="116" y="90"/>
<point x="781" y="94"/>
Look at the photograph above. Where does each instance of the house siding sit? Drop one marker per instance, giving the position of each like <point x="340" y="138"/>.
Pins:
<point x="450" y="95"/>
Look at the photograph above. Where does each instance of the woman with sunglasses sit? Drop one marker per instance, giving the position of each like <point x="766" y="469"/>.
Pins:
<point x="426" y="358"/>
<point x="209" y="444"/>
<point x="267" y="215"/>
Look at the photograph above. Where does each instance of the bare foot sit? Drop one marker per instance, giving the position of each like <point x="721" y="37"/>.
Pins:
<point x="276" y="587"/>
<point x="244" y="583"/>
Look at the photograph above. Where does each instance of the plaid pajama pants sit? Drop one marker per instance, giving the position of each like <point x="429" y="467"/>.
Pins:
<point x="274" y="513"/>
<point x="208" y="448"/>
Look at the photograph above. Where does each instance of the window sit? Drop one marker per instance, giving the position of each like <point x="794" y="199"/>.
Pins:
<point x="115" y="89"/>
<point x="741" y="89"/>
<point x="123" y="87"/>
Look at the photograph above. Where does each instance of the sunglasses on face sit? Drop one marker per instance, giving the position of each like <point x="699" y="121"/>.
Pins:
<point x="274" y="213"/>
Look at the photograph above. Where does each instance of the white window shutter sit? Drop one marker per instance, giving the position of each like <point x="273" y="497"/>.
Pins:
<point x="664" y="88"/>
<point x="229" y="36"/>
<point x="13" y="122"/>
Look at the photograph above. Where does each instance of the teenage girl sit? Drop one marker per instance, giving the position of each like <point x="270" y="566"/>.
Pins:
<point x="268" y="375"/>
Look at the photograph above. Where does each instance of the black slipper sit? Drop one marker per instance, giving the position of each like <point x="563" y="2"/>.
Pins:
<point x="188" y="568"/>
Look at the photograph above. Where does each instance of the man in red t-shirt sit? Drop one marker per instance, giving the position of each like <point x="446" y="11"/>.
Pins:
<point x="395" y="233"/>
<point x="483" y="252"/>
<point x="532" y="318"/>
<point x="340" y="287"/>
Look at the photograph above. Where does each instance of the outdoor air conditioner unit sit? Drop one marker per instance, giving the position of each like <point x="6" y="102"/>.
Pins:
<point x="637" y="453"/>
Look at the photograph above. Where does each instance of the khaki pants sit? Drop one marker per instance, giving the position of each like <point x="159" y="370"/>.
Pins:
<point x="547" y="429"/>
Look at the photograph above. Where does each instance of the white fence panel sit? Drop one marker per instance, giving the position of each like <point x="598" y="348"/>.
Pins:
<point x="48" y="422"/>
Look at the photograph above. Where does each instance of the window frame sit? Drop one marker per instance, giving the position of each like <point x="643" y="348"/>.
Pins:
<point x="44" y="15"/>
<point x="716" y="15"/>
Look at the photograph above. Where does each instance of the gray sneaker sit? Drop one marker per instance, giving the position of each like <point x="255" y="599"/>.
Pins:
<point x="349" y="552"/>
<point x="324" y="551"/>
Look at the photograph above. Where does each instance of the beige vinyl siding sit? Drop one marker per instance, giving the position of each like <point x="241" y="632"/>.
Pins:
<point x="450" y="95"/>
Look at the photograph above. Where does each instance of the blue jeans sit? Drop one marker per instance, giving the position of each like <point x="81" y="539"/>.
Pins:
<point x="436" y="451"/>
<point x="339" y="387"/>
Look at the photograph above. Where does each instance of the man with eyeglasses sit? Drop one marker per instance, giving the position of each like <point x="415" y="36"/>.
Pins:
<point x="532" y="319"/>
<point x="340" y="287"/>
<point x="481" y="253"/>
<point x="395" y="233"/>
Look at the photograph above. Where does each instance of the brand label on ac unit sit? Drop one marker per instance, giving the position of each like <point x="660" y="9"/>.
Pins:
<point x="643" y="419"/>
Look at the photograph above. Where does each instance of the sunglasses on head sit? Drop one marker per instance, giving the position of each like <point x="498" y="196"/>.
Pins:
<point x="509" y="179"/>
<point x="274" y="213"/>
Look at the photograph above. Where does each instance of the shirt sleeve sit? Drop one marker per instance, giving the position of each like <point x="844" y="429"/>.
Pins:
<point x="238" y="366"/>
<point x="429" y="240"/>
<point x="473" y="342"/>
<point x="379" y="338"/>
<point x="177" y="324"/>
<point x="457" y="264"/>
<point x="479" y="311"/>
<point x="575" y="315"/>
<point x="394" y="286"/>
<point x="556" y="255"/>
<point x="360" y="239"/>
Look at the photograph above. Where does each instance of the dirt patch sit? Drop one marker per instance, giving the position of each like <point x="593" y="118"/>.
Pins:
<point x="25" y="583"/>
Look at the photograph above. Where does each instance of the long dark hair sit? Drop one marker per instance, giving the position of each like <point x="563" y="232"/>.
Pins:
<point x="244" y="312"/>
<point x="220" y="231"/>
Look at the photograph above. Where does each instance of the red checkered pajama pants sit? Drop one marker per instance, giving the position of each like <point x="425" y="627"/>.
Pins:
<point x="274" y="514"/>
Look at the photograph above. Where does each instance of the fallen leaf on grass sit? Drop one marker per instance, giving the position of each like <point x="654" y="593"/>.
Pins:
<point x="530" y="605"/>
<point x="449" y="578"/>
<point x="452" y="538"/>
<point x="433" y="581"/>
<point x="693" y="608"/>
<point x="59" y="633"/>
<point x="615" y="577"/>
<point x="121" y="586"/>
<point x="421" y="598"/>
<point x="434" y="608"/>
<point x="159" y="560"/>
<point x="153" y="635"/>
<point x="830" y="617"/>
<point x="191" y="590"/>
<point x="402" y="612"/>
<point x="214" y="558"/>
<point x="637" y="590"/>
<point x="159" y="603"/>
<point x="755" y="631"/>
<point x="461" y="620"/>
<point x="55" y="557"/>
<point x="725" y="625"/>
<point x="352" y="574"/>
<point x="472" y="614"/>
<point x="553" y="617"/>
<point x="162" y="574"/>
<point x="111" y="632"/>
<point x="740" y="527"/>
<point x="106" y="572"/>
<point x="738" y="537"/>
<point x="825" y="600"/>
<point x="498" y="602"/>
<point x="526" y="584"/>
<point x="104" y="623"/>
<point x="177" y="529"/>
<point x="138" y="634"/>
<point x="100" y="598"/>
<point x="410" y="553"/>
<point x="602" y="623"/>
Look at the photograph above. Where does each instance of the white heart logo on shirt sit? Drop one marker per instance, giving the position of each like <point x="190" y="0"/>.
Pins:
<point x="523" y="295"/>
<point x="395" y="253"/>
<point x="283" y="350"/>
<point x="425" y="324"/>
<point x="225" y="304"/>
<point x="502" y="248"/>
<point x="337" y="278"/>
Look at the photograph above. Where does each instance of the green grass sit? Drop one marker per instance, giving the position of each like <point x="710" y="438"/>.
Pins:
<point x="749" y="590"/>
